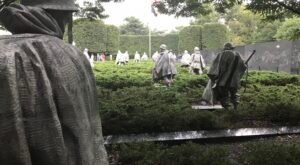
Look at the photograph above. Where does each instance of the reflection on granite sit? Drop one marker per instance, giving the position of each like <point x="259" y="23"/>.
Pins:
<point x="194" y="135"/>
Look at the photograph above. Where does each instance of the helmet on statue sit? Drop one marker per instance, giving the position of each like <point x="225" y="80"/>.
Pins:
<point x="64" y="5"/>
<point x="228" y="46"/>
<point x="163" y="46"/>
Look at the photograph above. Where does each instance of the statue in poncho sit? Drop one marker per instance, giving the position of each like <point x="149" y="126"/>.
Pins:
<point x="144" y="57"/>
<point x="197" y="62"/>
<point x="155" y="56"/>
<point x="165" y="66"/>
<point x="137" y="57"/>
<point x="120" y="59"/>
<point x="48" y="102"/>
<point x="186" y="59"/>
<point x="225" y="74"/>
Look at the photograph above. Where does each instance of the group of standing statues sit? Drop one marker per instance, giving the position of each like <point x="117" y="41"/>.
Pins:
<point x="224" y="73"/>
<point x="165" y="64"/>
<point x="123" y="58"/>
<point x="195" y="61"/>
<point x="48" y="102"/>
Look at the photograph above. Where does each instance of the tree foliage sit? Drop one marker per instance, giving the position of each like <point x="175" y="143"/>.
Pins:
<point x="212" y="17"/>
<point x="275" y="9"/>
<point x="192" y="7"/>
<point x="92" y="10"/>
<point x="289" y="30"/>
<point x="271" y="9"/>
<point x="266" y="31"/>
<point x="133" y="26"/>
<point x="242" y="24"/>
<point x="245" y="27"/>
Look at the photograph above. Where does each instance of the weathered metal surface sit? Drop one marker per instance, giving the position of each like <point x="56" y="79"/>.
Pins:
<point x="199" y="135"/>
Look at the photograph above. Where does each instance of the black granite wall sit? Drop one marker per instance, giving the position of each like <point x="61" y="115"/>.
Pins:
<point x="282" y="56"/>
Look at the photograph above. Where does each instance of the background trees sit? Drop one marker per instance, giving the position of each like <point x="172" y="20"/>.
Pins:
<point x="244" y="22"/>
<point x="289" y="30"/>
<point x="271" y="9"/>
<point x="91" y="10"/>
<point x="133" y="26"/>
<point x="225" y="21"/>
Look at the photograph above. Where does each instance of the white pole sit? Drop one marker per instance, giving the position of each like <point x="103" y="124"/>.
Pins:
<point x="149" y="28"/>
<point x="149" y="41"/>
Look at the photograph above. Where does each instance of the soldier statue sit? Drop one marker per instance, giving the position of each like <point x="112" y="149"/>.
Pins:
<point x="197" y="62"/>
<point x="225" y="74"/>
<point x="48" y="103"/>
<point x="165" y="66"/>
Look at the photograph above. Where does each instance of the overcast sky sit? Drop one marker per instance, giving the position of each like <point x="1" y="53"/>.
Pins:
<point x="141" y="9"/>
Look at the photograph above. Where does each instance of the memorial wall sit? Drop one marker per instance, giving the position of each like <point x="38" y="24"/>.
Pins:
<point x="281" y="56"/>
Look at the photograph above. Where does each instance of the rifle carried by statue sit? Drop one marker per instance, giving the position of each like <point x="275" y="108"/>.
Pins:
<point x="249" y="58"/>
<point x="246" y="63"/>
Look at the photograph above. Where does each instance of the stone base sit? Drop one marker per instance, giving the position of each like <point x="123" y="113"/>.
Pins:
<point x="207" y="107"/>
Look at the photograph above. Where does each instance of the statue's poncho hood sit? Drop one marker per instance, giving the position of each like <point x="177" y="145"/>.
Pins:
<point x="19" y="19"/>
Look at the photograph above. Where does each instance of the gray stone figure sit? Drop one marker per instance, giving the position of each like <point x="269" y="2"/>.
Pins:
<point x="225" y="74"/>
<point x="137" y="57"/>
<point x="144" y="57"/>
<point x="165" y="67"/>
<point x="155" y="56"/>
<point x="197" y="62"/>
<point x="48" y="102"/>
<point x="121" y="58"/>
<point x="186" y="59"/>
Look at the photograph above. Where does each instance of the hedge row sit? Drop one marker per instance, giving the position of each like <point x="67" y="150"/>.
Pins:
<point x="208" y="36"/>
<point x="95" y="35"/>
<point x="98" y="37"/>
<point x="140" y="43"/>
<point x="279" y="151"/>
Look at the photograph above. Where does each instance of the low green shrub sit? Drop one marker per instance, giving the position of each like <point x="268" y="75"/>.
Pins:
<point x="129" y="102"/>
<point x="278" y="151"/>
<point x="150" y="153"/>
<point x="273" y="78"/>
<point x="270" y="153"/>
